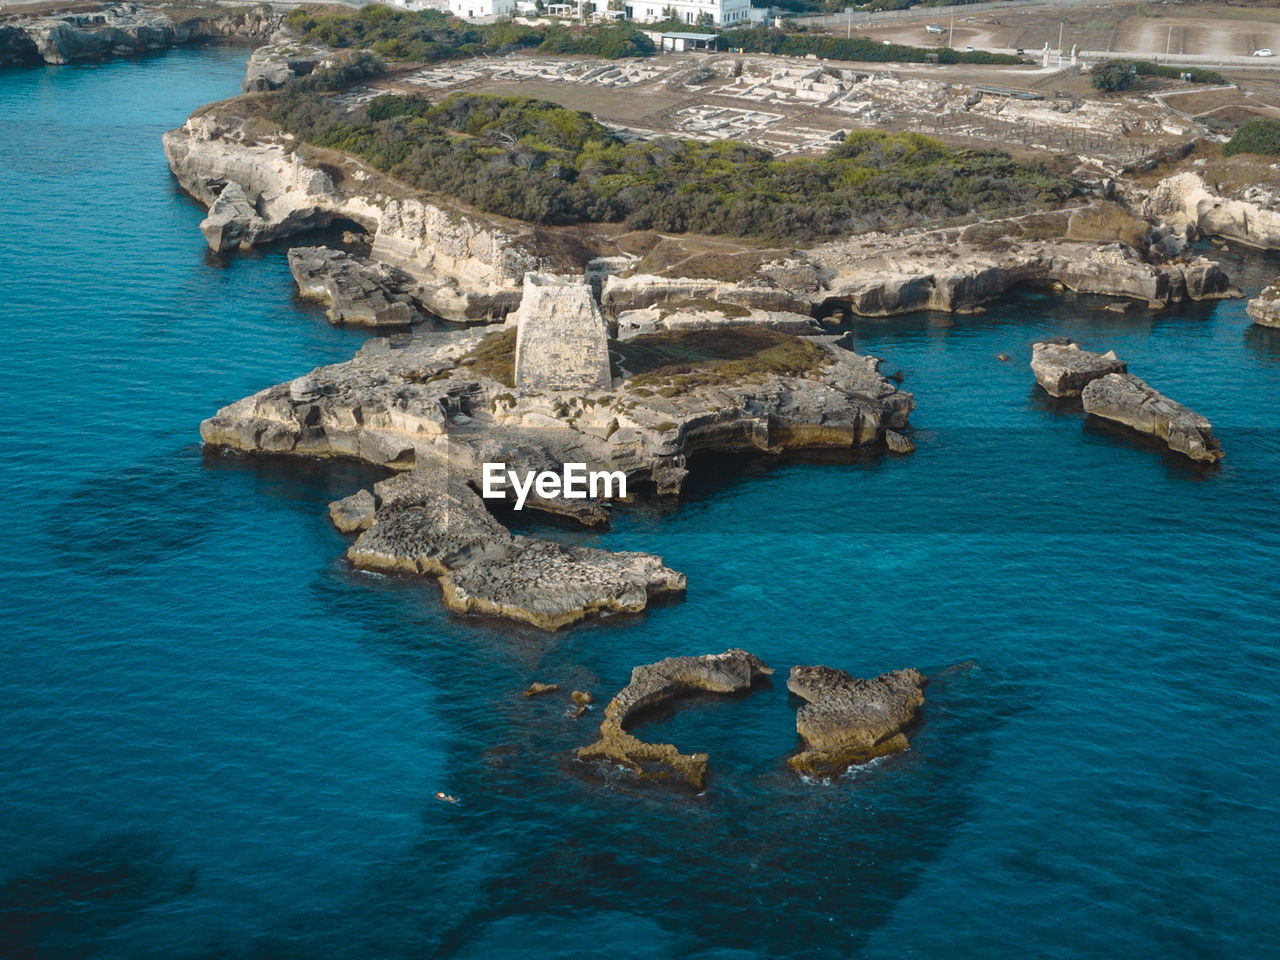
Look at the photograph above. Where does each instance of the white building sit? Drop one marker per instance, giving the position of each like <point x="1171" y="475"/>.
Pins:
<point x="478" y="9"/>
<point x="723" y="13"/>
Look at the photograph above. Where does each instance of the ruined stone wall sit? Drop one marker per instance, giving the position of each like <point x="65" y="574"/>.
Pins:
<point x="562" y="342"/>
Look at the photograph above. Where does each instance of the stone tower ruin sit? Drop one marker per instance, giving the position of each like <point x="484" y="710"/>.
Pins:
<point x="562" y="340"/>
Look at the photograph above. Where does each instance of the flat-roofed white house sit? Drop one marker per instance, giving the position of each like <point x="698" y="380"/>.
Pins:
<point x="479" y="9"/>
<point x="722" y="13"/>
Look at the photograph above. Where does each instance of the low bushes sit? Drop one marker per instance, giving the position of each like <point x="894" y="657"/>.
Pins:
<point x="1259" y="135"/>
<point x="537" y="161"/>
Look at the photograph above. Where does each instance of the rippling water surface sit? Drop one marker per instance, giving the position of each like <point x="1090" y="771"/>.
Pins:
<point x="218" y="741"/>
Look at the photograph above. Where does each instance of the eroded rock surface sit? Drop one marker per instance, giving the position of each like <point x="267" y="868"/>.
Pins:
<point x="273" y="65"/>
<point x="1264" y="309"/>
<point x="261" y="187"/>
<point x="1124" y="399"/>
<point x="1063" y="369"/>
<point x="850" y="720"/>
<point x="359" y="292"/>
<point x="430" y="521"/>
<point x="712" y="315"/>
<point x="1186" y="199"/>
<point x="733" y="671"/>
<point x="120" y="30"/>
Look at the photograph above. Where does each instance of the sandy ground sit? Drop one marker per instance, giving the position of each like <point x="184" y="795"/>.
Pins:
<point x="1195" y="29"/>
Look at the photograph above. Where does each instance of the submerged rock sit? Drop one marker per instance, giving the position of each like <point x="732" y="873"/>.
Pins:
<point x="1123" y="398"/>
<point x="899" y="443"/>
<point x="1264" y="309"/>
<point x="729" y="672"/>
<point x="850" y="720"/>
<point x="1063" y="369"/>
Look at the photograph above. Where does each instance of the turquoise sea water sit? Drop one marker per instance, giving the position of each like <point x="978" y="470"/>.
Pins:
<point x="218" y="741"/>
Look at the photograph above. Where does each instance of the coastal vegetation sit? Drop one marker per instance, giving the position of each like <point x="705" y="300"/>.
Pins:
<point x="1111" y="76"/>
<point x="829" y="47"/>
<point x="536" y="161"/>
<point x="429" y="36"/>
<point x="494" y="357"/>
<point x="1260" y="135"/>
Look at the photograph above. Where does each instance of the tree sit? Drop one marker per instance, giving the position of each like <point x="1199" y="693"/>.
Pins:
<point x="1113" y="75"/>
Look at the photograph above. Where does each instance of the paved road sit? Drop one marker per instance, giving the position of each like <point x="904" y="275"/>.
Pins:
<point x="937" y="13"/>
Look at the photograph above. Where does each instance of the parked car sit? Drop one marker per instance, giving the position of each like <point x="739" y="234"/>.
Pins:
<point x="933" y="28"/>
<point x="1264" y="52"/>
<point x="969" y="48"/>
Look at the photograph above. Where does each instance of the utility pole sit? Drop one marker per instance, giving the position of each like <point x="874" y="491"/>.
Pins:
<point x="1060" y="26"/>
<point x="951" y="37"/>
<point x="1168" y="44"/>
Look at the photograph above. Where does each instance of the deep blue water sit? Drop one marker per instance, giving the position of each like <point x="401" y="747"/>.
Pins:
<point x="217" y="741"/>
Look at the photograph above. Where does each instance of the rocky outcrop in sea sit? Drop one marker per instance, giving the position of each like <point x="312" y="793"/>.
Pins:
<point x="850" y="720"/>
<point x="1063" y="369"/>
<point x="1123" y="398"/>
<point x="734" y="671"/>
<point x="1264" y="309"/>
<point x="429" y="521"/>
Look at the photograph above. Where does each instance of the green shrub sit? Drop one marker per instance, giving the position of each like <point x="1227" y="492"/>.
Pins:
<point x="424" y="35"/>
<point x="611" y="42"/>
<point x="536" y="161"/>
<point x="1111" y="76"/>
<point x="1259" y="135"/>
<point x="1146" y="68"/>
<point x="830" y="47"/>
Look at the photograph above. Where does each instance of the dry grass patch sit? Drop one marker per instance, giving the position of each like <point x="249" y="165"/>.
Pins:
<point x="675" y="363"/>
<point x="494" y="357"/>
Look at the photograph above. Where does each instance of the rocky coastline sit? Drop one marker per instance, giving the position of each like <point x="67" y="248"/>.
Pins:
<point x="734" y="671"/>
<point x="122" y="30"/>
<point x="422" y="404"/>
<point x="1264" y="309"/>
<point x="1108" y="391"/>
<point x="459" y="265"/>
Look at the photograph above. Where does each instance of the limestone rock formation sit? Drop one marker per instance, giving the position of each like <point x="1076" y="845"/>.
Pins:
<point x="1264" y="309"/>
<point x="262" y="187"/>
<point x="354" y="512"/>
<point x="273" y="65"/>
<point x="712" y="315"/>
<point x="537" y="689"/>
<point x="359" y="292"/>
<point x="1186" y="199"/>
<point x="850" y="720"/>
<point x="1125" y="399"/>
<point x="899" y="443"/>
<point x="641" y="291"/>
<point x="730" y="672"/>
<point x="430" y="522"/>
<point x="120" y="30"/>
<point x="1063" y="369"/>
<point x="948" y="270"/>
<point x="562" y="342"/>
